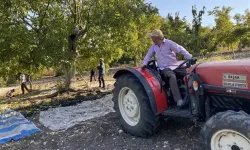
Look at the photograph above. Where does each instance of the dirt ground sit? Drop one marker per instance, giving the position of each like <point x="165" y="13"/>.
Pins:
<point x="44" y="93"/>
<point x="105" y="133"/>
<point x="101" y="133"/>
<point x="52" y="83"/>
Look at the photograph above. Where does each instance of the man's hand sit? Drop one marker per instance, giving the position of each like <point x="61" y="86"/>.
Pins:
<point x="193" y="61"/>
<point x="143" y="66"/>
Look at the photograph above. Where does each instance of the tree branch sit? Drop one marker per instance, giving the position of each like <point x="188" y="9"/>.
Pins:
<point x="44" y="15"/>
<point x="28" y="24"/>
<point x="74" y="14"/>
<point x="81" y="33"/>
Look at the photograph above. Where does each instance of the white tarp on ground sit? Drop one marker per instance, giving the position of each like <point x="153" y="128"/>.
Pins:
<point x="13" y="126"/>
<point x="66" y="117"/>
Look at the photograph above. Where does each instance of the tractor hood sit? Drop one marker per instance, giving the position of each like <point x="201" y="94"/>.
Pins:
<point x="230" y="73"/>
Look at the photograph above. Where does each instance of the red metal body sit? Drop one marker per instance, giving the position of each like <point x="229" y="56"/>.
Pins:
<point x="160" y="96"/>
<point x="212" y="72"/>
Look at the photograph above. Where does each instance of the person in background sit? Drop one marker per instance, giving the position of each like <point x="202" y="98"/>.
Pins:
<point x="92" y="75"/>
<point x="101" y="69"/>
<point x="22" y="80"/>
<point x="10" y="93"/>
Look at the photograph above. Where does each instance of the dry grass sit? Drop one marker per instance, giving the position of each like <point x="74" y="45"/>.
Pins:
<point x="228" y="56"/>
<point x="42" y="92"/>
<point x="216" y="58"/>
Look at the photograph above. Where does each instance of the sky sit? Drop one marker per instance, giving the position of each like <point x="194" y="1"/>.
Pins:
<point x="184" y="7"/>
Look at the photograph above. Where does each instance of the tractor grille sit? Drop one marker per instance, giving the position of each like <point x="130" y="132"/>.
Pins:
<point x="226" y="102"/>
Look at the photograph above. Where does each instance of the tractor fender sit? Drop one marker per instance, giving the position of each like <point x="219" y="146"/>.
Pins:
<point x="157" y="97"/>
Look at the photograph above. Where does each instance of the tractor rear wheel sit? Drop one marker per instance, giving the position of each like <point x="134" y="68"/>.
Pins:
<point x="227" y="131"/>
<point x="133" y="108"/>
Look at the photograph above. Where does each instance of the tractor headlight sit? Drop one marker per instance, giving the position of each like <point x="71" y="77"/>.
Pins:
<point x="195" y="85"/>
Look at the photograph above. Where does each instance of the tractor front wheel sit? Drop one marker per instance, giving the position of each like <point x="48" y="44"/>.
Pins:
<point x="227" y="131"/>
<point x="133" y="108"/>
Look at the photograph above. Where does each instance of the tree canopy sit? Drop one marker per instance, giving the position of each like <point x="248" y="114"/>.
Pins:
<point x="74" y="34"/>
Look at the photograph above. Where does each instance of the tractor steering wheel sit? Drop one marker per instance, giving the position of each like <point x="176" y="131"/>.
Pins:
<point x="188" y="63"/>
<point x="152" y="64"/>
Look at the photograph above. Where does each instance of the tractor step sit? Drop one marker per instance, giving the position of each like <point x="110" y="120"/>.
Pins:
<point x="174" y="111"/>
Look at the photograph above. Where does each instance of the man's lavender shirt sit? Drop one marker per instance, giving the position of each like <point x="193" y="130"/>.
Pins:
<point x="166" y="54"/>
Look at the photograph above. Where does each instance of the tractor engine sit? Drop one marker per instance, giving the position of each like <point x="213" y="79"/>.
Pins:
<point x="226" y="84"/>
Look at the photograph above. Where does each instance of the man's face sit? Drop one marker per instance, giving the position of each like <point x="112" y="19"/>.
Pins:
<point x="156" y="39"/>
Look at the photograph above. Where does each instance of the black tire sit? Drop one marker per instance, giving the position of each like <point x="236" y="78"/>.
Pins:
<point x="236" y="121"/>
<point x="148" y="123"/>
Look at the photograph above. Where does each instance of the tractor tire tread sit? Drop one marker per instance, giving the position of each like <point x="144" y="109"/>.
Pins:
<point x="152" y="122"/>
<point x="239" y="121"/>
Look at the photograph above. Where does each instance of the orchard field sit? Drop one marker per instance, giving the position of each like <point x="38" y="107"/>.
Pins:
<point x="56" y="44"/>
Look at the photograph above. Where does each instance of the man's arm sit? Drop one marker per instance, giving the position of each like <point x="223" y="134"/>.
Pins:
<point x="149" y="54"/>
<point x="103" y="67"/>
<point x="179" y="49"/>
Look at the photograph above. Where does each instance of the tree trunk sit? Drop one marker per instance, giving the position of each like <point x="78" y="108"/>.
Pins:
<point x="135" y="64"/>
<point x="30" y="82"/>
<point x="233" y="52"/>
<point x="240" y="46"/>
<point x="69" y="68"/>
<point x="137" y="59"/>
<point x="68" y="74"/>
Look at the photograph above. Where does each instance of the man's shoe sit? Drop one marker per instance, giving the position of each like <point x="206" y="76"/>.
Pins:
<point x="180" y="103"/>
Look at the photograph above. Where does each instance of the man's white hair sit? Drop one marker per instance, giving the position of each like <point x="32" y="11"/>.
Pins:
<point x="156" y="33"/>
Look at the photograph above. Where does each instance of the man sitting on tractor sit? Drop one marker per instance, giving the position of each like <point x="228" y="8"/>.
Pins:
<point x="165" y="51"/>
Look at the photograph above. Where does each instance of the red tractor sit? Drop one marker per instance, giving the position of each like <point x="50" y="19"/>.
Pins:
<point x="217" y="93"/>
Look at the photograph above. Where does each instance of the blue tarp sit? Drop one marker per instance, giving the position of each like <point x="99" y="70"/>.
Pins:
<point x="13" y="126"/>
